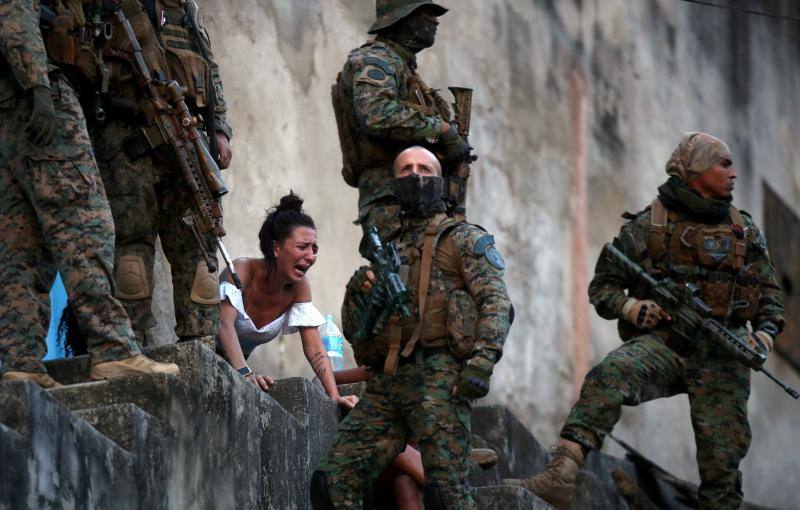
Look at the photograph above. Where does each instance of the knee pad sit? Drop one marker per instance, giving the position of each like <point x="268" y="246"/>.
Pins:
<point x="320" y="495"/>
<point x="131" y="278"/>
<point x="205" y="289"/>
<point x="433" y="497"/>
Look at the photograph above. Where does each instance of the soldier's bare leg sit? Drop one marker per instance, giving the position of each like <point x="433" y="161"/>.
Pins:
<point x="718" y="393"/>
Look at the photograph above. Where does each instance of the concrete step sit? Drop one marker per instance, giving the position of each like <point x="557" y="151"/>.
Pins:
<point x="507" y="498"/>
<point x="154" y="393"/>
<point x="152" y="444"/>
<point x="54" y="457"/>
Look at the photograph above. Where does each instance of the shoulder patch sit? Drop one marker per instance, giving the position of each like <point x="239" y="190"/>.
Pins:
<point x="381" y="64"/>
<point x="484" y="247"/>
<point x="483" y="244"/>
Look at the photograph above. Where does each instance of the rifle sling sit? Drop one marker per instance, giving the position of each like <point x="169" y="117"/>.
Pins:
<point x="392" y="360"/>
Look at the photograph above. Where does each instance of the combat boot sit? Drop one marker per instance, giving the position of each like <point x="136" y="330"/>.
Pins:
<point x="40" y="378"/>
<point x="135" y="365"/>
<point x="556" y="483"/>
<point x="484" y="457"/>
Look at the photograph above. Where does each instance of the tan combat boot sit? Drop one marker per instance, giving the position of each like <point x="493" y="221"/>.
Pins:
<point x="484" y="457"/>
<point x="135" y="365"/>
<point x="42" y="379"/>
<point x="556" y="483"/>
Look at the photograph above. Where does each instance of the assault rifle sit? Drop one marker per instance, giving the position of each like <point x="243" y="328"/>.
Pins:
<point x="456" y="180"/>
<point x="692" y="316"/>
<point x="170" y="122"/>
<point x="389" y="294"/>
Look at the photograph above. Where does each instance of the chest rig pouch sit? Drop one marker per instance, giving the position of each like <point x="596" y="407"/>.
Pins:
<point x="185" y="64"/>
<point x="709" y="256"/>
<point x="69" y="41"/>
<point x="446" y="314"/>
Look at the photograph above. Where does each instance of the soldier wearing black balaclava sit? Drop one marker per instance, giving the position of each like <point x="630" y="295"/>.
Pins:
<point x="426" y="369"/>
<point x="382" y="106"/>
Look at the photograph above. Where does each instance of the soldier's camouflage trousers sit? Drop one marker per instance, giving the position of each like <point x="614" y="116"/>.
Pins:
<point x="148" y="200"/>
<point x="415" y="406"/>
<point x="644" y="369"/>
<point x="54" y="216"/>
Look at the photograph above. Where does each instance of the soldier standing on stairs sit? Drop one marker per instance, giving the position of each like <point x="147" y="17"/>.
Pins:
<point x="142" y="176"/>
<point x="382" y="106"/>
<point x="428" y="369"/>
<point x="54" y="215"/>
<point x="691" y="234"/>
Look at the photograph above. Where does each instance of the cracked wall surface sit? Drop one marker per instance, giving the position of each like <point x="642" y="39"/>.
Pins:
<point x="652" y="70"/>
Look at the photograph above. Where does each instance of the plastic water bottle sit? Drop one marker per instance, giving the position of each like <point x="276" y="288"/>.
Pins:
<point x="333" y="341"/>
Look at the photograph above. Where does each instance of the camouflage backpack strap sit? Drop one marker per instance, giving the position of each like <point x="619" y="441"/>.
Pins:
<point x="395" y="337"/>
<point x="659" y="214"/>
<point x="433" y="233"/>
<point x="740" y="244"/>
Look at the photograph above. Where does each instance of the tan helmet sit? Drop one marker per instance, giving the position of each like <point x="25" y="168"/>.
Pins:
<point x="390" y="12"/>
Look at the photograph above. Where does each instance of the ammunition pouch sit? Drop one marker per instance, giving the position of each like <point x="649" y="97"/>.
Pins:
<point x="65" y="47"/>
<point x="185" y="65"/>
<point x="462" y="323"/>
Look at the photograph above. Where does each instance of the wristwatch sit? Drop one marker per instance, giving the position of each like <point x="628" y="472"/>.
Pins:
<point x="245" y="371"/>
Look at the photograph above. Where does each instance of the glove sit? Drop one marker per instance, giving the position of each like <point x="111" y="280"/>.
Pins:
<point x="43" y="120"/>
<point x="454" y="149"/>
<point x="473" y="382"/>
<point x="761" y="340"/>
<point x="644" y="314"/>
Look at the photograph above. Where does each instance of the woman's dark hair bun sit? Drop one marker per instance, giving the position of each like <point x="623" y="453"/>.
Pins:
<point x="280" y="221"/>
<point x="290" y="202"/>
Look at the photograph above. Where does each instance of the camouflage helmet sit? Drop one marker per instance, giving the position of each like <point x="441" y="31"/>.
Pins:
<point x="390" y="12"/>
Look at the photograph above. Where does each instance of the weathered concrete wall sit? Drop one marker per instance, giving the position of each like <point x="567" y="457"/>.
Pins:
<point x="578" y="105"/>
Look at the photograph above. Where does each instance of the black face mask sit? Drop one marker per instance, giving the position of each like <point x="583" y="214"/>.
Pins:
<point x="419" y="197"/>
<point x="416" y="32"/>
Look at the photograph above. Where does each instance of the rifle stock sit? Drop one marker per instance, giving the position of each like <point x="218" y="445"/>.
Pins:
<point x="690" y="313"/>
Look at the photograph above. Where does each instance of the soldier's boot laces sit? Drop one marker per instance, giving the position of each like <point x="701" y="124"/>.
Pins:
<point x="40" y="378"/>
<point x="135" y="365"/>
<point x="556" y="483"/>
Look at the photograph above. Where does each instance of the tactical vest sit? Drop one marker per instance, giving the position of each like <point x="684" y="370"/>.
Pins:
<point x="89" y="43"/>
<point x="444" y="314"/>
<point x="70" y="41"/>
<point x="712" y="257"/>
<point x="361" y="151"/>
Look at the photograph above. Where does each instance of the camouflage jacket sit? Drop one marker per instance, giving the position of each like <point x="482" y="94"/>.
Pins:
<point x="606" y="291"/>
<point x="392" y="108"/>
<point x="465" y="260"/>
<point x="22" y="50"/>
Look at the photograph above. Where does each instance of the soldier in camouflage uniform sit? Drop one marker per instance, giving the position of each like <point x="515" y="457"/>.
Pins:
<point x="54" y="215"/>
<point x="144" y="183"/>
<point x="425" y="370"/>
<point x="382" y="106"/>
<point x="691" y="234"/>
